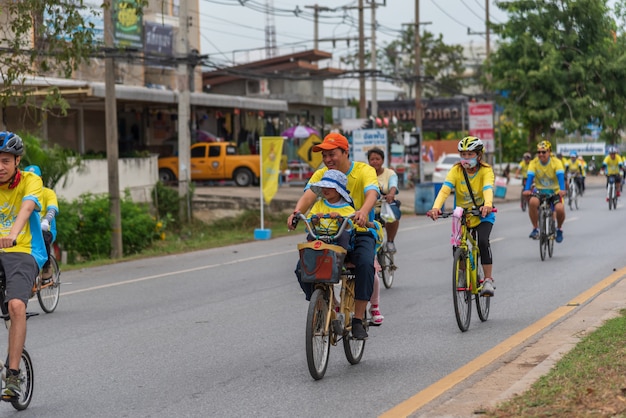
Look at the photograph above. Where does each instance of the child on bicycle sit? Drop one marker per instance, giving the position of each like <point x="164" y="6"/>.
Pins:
<point x="473" y="181"/>
<point x="336" y="201"/>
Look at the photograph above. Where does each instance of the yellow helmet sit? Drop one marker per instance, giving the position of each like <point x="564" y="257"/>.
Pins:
<point x="544" y="146"/>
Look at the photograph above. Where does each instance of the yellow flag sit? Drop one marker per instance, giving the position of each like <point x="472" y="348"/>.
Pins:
<point x="271" y="152"/>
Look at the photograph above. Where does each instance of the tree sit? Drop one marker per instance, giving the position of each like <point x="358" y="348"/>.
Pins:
<point x="42" y="38"/>
<point x="556" y="62"/>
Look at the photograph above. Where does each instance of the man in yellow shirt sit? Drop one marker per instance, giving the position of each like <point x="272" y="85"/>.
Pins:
<point x="548" y="174"/>
<point x="364" y="191"/>
<point x="612" y="166"/>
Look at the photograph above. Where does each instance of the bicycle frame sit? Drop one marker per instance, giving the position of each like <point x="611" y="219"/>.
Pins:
<point x="467" y="272"/>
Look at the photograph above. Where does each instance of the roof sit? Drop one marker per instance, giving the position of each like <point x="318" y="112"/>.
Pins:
<point x="86" y="89"/>
<point x="304" y="63"/>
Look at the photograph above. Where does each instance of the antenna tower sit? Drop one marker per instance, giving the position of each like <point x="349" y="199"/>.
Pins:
<point x="270" y="29"/>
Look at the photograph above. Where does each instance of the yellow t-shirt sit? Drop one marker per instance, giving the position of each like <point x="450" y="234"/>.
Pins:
<point x="523" y="168"/>
<point x="481" y="183"/>
<point x="329" y="226"/>
<point x="361" y="178"/>
<point x="546" y="176"/>
<point x="613" y="165"/>
<point x="29" y="239"/>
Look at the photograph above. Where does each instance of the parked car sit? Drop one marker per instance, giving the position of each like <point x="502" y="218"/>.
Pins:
<point x="443" y="165"/>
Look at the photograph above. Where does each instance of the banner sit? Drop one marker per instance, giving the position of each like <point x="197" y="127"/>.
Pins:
<point x="481" y="123"/>
<point x="271" y="151"/>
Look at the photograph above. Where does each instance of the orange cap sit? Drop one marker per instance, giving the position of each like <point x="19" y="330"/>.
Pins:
<point x="331" y="141"/>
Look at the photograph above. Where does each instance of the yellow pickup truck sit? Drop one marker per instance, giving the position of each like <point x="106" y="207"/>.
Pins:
<point x="215" y="161"/>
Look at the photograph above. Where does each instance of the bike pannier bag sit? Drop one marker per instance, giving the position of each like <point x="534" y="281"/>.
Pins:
<point x="320" y="262"/>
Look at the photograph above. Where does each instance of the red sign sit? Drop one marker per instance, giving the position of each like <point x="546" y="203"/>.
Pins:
<point x="481" y="123"/>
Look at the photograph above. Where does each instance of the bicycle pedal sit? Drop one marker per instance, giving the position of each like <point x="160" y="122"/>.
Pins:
<point x="8" y="398"/>
<point x="337" y="327"/>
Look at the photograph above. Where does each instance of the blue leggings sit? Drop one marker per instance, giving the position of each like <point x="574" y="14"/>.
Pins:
<point x="362" y="256"/>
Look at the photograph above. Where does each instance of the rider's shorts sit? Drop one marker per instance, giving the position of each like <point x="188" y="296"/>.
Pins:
<point x="21" y="270"/>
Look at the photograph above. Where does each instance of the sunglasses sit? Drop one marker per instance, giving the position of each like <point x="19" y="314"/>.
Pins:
<point x="542" y="152"/>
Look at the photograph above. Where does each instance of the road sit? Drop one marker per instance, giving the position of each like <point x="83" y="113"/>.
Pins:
<point x="220" y="332"/>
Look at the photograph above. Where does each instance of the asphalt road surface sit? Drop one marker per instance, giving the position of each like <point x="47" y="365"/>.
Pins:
<point x="220" y="332"/>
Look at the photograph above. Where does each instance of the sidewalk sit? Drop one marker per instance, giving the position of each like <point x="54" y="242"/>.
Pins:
<point x="288" y="195"/>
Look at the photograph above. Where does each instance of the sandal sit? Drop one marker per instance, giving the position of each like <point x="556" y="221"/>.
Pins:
<point x="377" y="318"/>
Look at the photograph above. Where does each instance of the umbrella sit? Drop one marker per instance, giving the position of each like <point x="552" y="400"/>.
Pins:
<point x="300" y="132"/>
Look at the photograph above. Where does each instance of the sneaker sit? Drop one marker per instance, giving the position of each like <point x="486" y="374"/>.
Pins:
<point x="377" y="318"/>
<point x="534" y="234"/>
<point x="488" y="288"/>
<point x="358" y="330"/>
<point x="391" y="248"/>
<point x="559" y="235"/>
<point x="12" y="389"/>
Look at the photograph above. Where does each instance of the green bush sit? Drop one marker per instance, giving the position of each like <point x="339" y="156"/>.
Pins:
<point x="166" y="201"/>
<point x="84" y="227"/>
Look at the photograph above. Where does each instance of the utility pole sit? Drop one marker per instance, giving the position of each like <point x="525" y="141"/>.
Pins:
<point x="110" y="108"/>
<point x="418" y="90"/>
<point x="362" y="100"/>
<point x="487" y="26"/>
<point x="184" y="100"/>
<point x="374" y="109"/>
<point x="316" y="21"/>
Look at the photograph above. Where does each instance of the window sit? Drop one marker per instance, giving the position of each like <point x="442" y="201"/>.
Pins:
<point x="198" y="152"/>
<point x="214" y="151"/>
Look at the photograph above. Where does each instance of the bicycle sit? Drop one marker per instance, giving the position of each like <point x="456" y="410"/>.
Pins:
<point x="611" y="192"/>
<point x="547" y="224"/>
<point x="467" y="272"/>
<point x="385" y="259"/>
<point x="26" y="365"/>
<point x="48" y="290"/>
<point x="572" y="191"/>
<point x="523" y="199"/>
<point x="326" y="323"/>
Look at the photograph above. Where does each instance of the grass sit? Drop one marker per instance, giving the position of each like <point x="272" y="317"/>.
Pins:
<point x="589" y="381"/>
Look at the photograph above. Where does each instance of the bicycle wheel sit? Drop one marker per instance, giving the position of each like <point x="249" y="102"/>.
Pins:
<point x="461" y="292"/>
<point x="610" y="193"/>
<point x="552" y="237"/>
<point x="354" y="349"/>
<point x="27" y="379"/>
<point x="543" y="235"/>
<point x="385" y="259"/>
<point x="49" y="290"/>
<point x="317" y="337"/>
<point x="482" y="303"/>
<point x="523" y="201"/>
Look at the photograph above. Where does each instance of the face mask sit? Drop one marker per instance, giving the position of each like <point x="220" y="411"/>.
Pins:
<point x="470" y="163"/>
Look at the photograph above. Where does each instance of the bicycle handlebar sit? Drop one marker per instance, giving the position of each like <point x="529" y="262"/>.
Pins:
<point x="473" y="211"/>
<point x="313" y="231"/>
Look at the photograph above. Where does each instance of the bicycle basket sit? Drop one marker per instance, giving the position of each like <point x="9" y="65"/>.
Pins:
<point x="320" y="262"/>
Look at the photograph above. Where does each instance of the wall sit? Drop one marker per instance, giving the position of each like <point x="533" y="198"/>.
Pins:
<point x="137" y="174"/>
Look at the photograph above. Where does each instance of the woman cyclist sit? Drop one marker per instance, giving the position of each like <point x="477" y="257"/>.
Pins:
<point x="388" y="184"/>
<point x="473" y="172"/>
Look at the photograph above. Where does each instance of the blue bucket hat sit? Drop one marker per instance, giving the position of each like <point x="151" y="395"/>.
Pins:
<point x="333" y="179"/>
<point x="34" y="169"/>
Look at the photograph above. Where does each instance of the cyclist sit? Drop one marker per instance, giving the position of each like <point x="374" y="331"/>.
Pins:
<point x="472" y="180"/>
<point x="562" y="159"/>
<point x="522" y="167"/>
<point x="548" y="174"/>
<point x="21" y="194"/>
<point x="336" y="201"/>
<point x="584" y="174"/>
<point x="50" y="206"/>
<point x="388" y="184"/>
<point x="364" y="191"/>
<point x="575" y="168"/>
<point x="612" y="166"/>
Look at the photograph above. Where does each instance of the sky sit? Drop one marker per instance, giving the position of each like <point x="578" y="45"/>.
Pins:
<point x="231" y="31"/>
